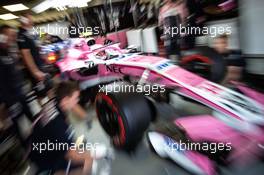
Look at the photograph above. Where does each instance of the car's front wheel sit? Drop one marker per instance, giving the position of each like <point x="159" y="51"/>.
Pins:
<point x="124" y="117"/>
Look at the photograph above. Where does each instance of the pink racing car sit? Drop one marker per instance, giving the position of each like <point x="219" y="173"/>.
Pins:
<point x="236" y="123"/>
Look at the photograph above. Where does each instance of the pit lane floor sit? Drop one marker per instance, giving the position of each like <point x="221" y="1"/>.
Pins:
<point x="144" y="162"/>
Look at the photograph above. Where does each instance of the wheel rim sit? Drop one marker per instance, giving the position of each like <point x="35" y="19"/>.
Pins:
<point x="198" y="64"/>
<point x="110" y="118"/>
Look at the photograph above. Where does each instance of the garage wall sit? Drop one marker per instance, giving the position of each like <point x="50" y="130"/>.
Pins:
<point x="252" y="26"/>
<point x="252" y="33"/>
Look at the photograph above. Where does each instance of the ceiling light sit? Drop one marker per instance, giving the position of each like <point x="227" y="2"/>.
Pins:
<point x="43" y="6"/>
<point x="8" y="16"/>
<point x="78" y="3"/>
<point x="15" y="7"/>
<point x="59" y="4"/>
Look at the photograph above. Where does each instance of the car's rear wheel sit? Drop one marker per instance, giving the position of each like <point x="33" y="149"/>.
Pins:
<point x="206" y="62"/>
<point x="124" y="117"/>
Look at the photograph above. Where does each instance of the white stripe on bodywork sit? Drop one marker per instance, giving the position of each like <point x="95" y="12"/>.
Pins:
<point x="226" y="104"/>
<point x="221" y="100"/>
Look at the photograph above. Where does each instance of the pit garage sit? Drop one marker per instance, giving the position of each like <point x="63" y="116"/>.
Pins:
<point x="148" y="87"/>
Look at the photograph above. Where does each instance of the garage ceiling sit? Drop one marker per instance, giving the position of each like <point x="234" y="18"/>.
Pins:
<point x="47" y="16"/>
<point x="28" y="3"/>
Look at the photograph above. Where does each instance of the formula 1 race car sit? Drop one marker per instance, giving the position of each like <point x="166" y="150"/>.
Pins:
<point x="236" y="123"/>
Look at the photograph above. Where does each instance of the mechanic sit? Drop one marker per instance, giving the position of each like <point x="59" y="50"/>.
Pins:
<point x="52" y="127"/>
<point x="29" y="49"/>
<point x="11" y="81"/>
<point x="28" y="46"/>
<point x="234" y="60"/>
<point x="171" y="15"/>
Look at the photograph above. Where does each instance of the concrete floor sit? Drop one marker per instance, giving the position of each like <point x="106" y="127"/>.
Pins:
<point x="145" y="162"/>
<point x="141" y="162"/>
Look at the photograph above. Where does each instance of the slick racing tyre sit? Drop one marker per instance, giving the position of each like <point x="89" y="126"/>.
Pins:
<point x="205" y="62"/>
<point x="124" y="117"/>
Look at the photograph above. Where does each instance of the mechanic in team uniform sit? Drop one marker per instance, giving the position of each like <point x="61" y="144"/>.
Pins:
<point x="11" y="80"/>
<point x="172" y="14"/>
<point x="35" y="65"/>
<point x="29" y="48"/>
<point x="169" y="17"/>
<point x="52" y="126"/>
<point x="234" y="61"/>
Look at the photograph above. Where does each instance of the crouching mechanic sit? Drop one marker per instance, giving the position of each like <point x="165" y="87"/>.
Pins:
<point x="52" y="127"/>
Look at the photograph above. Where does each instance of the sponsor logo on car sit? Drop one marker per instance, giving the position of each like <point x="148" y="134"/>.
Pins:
<point x="163" y="66"/>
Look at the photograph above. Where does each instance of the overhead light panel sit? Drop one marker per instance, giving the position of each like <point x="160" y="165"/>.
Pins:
<point x="78" y="3"/>
<point x="16" y="7"/>
<point x="43" y="6"/>
<point x="59" y="5"/>
<point x="8" y="16"/>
